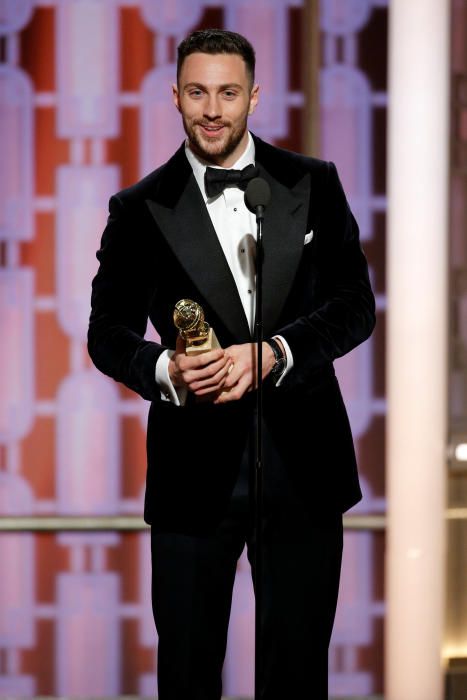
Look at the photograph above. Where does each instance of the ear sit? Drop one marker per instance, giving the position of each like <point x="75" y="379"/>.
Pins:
<point x="176" y="96"/>
<point x="254" y="96"/>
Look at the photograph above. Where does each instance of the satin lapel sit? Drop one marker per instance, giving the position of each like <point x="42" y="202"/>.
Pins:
<point x="187" y="228"/>
<point x="283" y="239"/>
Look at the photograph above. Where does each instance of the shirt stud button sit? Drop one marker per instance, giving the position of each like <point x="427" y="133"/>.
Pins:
<point x="235" y="208"/>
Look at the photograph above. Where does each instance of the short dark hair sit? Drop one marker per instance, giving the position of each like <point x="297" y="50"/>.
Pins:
<point x="217" y="41"/>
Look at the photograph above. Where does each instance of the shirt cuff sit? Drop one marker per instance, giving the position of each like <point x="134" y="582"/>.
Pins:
<point x="288" y="356"/>
<point x="177" y="395"/>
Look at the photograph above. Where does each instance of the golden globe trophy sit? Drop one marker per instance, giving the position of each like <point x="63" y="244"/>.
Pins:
<point x="198" y="335"/>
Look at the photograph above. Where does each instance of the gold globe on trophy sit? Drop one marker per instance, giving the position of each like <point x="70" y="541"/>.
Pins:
<point x="199" y="337"/>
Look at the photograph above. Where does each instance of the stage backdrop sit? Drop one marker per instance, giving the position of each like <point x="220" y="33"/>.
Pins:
<point x="85" y="109"/>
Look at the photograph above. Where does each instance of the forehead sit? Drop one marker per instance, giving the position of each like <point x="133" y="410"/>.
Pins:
<point x="213" y="69"/>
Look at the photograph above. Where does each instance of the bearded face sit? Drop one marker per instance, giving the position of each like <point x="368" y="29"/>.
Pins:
<point x="215" y="98"/>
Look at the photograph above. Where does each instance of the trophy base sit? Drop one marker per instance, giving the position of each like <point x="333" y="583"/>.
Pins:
<point x="209" y="343"/>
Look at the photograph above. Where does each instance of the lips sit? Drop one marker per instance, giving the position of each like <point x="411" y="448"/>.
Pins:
<point x="211" y="129"/>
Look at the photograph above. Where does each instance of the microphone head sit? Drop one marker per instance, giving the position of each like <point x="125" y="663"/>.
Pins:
<point x="257" y="194"/>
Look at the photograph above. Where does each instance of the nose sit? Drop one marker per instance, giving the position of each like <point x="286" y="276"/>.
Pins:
<point x="212" y="107"/>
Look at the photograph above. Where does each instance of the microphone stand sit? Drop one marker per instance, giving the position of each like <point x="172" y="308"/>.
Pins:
<point x="259" y="451"/>
<point x="257" y="196"/>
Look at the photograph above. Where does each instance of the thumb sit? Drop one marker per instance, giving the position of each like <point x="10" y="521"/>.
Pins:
<point x="180" y="345"/>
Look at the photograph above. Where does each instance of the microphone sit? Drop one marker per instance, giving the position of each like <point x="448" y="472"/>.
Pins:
<point x="257" y="196"/>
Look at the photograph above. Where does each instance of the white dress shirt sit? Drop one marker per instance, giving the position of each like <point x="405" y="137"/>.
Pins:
<point x="235" y="226"/>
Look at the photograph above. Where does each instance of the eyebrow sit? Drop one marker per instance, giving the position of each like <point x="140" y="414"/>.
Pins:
<point x="219" y="87"/>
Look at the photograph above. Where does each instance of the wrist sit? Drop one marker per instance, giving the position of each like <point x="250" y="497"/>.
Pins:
<point x="269" y="358"/>
<point x="281" y="345"/>
<point x="173" y="374"/>
<point x="280" y="357"/>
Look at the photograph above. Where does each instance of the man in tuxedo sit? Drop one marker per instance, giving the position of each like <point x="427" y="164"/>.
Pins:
<point x="184" y="232"/>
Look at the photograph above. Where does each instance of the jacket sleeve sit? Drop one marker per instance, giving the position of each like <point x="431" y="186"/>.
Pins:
<point x="345" y="315"/>
<point x="122" y="292"/>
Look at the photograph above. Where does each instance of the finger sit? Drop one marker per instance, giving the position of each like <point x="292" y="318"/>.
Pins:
<point x="236" y="374"/>
<point x="180" y="345"/>
<point x="212" y="383"/>
<point x="215" y="389"/>
<point x="234" y="394"/>
<point x="193" y="376"/>
<point x="204" y="359"/>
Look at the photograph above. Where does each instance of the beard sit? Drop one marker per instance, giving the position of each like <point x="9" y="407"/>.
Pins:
<point x="216" y="148"/>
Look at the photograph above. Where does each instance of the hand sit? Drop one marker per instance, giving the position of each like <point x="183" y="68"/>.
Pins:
<point x="201" y="374"/>
<point x="243" y="377"/>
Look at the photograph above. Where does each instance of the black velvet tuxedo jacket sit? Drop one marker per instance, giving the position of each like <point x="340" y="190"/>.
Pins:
<point x="160" y="246"/>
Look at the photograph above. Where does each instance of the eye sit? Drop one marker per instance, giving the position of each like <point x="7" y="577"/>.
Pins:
<point x="195" y="92"/>
<point x="230" y="94"/>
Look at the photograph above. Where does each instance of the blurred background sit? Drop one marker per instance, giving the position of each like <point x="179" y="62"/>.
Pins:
<point x="85" y="109"/>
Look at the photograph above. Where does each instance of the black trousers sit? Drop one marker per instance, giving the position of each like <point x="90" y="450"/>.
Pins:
<point x="192" y="582"/>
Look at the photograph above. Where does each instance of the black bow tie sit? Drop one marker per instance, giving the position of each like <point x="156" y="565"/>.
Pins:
<point x="217" y="179"/>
